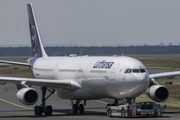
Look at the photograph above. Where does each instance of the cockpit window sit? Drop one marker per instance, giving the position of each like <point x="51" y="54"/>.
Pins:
<point x="135" y="70"/>
<point x="127" y="71"/>
<point x="142" y="70"/>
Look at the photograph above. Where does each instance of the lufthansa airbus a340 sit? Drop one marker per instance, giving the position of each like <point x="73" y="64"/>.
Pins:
<point x="81" y="78"/>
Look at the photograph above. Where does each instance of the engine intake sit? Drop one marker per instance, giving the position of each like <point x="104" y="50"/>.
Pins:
<point x="27" y="96"/>
<point x="158" y="93"/>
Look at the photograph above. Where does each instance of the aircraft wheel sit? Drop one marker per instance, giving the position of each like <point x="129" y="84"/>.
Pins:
<point x="35" y="110"/>
<point x="38" y="110"/>
<point x="74" y="108"/>
<point x="48" y="110"/>
<point x="81" y="108"/>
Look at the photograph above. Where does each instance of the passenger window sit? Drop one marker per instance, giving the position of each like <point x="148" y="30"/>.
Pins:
<point x="142" y="70"/>
<point x="135" y="70"/>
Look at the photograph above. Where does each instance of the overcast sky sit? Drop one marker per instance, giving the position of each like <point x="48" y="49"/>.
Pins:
<point x="92" y="22"/>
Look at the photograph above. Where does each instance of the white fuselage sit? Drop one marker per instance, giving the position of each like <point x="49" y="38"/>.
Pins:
<point x="99" y="77"/>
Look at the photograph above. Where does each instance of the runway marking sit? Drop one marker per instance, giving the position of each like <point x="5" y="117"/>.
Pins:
<point x="16" y="104"/>
<point x="100" y="101"/>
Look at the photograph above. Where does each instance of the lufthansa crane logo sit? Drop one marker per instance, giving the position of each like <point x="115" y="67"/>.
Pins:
<point x="33" y="37"/>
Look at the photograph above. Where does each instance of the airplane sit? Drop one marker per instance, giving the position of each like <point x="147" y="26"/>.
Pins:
<point x="81" y="78"/>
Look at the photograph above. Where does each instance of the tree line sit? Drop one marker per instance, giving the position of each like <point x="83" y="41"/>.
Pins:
<point x="62" y="51"/>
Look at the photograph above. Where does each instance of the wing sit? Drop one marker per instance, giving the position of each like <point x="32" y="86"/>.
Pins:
<point x="168" y="75"/>
<point x="69" y="84"/>
<point x="14" y="63"/>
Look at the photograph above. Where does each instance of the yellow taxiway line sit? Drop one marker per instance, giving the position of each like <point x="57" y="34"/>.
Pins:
<point x="100" y="101"/>
<point x="32" y="108"/>
<point x="16" y="104"/>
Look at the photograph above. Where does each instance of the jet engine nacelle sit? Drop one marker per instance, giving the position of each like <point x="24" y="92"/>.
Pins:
<point x="158" y="93"/>
<point x="27" y="96"/>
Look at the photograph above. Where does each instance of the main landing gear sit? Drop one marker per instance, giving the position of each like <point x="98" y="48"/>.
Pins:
<point x="76" y="107"/>
<point x="47" y="110"/>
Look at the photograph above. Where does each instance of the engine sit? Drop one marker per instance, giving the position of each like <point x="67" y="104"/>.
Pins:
<point x="158" y="93"/>
<point x="27" y="96"/>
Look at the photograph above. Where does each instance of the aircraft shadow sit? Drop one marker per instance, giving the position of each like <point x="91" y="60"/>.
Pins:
<point x="68" y="112"/>
<point x="57" y="112"/>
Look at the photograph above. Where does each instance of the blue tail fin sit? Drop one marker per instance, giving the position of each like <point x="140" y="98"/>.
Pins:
<point x="37" y="47"/>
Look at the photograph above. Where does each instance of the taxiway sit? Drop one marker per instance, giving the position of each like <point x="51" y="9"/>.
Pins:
<point x="11" y="108"/>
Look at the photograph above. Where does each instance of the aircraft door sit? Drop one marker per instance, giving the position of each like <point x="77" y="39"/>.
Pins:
<point x="55" y="71"/>
<point x="111" y="84"/>
<point x="85" y="82"/>
<point x="87" y="70"/>
<point x="113" y="72"/>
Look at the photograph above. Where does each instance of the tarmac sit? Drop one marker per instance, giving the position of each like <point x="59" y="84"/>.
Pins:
<point x="12" y="109"/>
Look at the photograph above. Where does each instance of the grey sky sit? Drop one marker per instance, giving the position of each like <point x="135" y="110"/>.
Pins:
<point x="92" y="22"/>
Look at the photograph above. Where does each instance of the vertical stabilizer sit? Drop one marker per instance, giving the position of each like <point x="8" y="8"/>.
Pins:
<point x="37" y="47"/>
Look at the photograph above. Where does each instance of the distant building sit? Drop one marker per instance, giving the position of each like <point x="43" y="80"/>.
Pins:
<point x="161" y="44"/>
<point x="56" y="54"/>
<point x="170" y="44"/>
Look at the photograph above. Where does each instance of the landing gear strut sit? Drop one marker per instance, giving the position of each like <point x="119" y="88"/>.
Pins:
<point x="132" y="100"/>
<point x="76" y="107"/>
<point x="47" y="110"/>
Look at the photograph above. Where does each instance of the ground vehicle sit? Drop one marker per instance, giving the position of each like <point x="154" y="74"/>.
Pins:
<point x="139" y="109"/>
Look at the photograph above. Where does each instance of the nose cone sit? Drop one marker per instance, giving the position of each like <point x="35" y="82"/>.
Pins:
<point x="142" y="82"/>
<point x="134" y="85"/>
<point x="142" y="77"/>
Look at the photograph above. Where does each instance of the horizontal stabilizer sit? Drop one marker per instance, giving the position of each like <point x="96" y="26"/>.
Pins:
<point x="14" y="63"/>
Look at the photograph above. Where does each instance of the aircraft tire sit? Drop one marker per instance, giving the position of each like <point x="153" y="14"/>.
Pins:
<point x="48" y="110"/>
<point x="35" y="110"/>
<point x="38" y="110"/>
<point x="74" y="108"/>
<point x="81" y="108"/>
